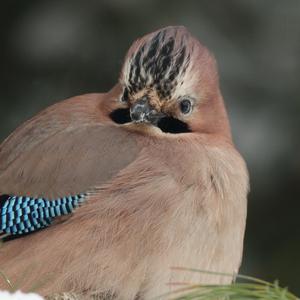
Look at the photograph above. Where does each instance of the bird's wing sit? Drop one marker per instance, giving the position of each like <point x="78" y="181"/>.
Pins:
<point x="69" y="162"/>
<point x="62" y="168"/>
<point x="50" y="162"/>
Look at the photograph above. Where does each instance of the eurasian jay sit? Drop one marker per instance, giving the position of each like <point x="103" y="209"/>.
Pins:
<point x="104" y="194"/>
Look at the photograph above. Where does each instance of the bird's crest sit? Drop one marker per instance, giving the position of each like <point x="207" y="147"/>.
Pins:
<point x="159" y="61"/>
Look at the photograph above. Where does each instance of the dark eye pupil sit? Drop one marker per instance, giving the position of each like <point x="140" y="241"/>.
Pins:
<point x="125" y="96"/>
<point x="185" y="106"/>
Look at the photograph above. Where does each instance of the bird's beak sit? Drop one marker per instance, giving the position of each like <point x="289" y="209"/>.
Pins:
<point x="142" y="112"/>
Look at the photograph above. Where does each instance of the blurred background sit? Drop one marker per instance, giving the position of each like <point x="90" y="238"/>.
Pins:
<point x="52" y="50"/>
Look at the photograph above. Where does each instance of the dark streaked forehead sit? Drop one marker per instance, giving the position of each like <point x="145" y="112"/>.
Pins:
<point x="158" y="60"/>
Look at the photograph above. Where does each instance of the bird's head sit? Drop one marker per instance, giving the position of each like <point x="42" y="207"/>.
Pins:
<point x="169" y="80"/>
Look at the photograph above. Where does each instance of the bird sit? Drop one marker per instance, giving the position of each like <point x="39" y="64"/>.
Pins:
<point x="121" y="194"/>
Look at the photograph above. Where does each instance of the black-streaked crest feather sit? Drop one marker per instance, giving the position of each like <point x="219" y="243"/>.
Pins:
<point x="159" y="61"/>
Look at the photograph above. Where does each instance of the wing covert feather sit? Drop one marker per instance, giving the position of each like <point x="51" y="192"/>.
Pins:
<point x="71" y="161"/>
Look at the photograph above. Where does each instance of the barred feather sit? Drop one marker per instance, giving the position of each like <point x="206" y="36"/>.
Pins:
<point x="20" y="215"/>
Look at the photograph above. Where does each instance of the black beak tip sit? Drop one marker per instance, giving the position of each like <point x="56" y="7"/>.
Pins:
<point x="142" y="112"/>
<point x="137" y="116"/>
<point x="139" y="112"/>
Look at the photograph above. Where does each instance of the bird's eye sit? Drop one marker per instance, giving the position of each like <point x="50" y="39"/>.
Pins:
<point x="125" y="96"/>
<point x="185" y="106"/>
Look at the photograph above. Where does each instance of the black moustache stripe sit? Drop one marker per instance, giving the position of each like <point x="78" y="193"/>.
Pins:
<point x="120" y="116"/>
<point x="172" y="125"/>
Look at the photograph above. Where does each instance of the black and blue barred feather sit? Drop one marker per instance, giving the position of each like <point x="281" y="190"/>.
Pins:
<point x="21" y="215"/>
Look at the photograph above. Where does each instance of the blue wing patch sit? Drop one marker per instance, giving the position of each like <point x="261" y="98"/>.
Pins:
<point x="21" y="215"/>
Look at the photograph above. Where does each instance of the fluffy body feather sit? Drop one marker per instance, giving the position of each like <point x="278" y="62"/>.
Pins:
<point x="155" y="200"/>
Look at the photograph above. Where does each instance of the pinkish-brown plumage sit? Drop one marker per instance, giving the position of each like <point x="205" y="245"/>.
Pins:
<point x="156" y="200"/>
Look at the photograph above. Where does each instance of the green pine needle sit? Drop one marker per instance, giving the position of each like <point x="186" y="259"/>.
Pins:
<point x="250" y="289"/>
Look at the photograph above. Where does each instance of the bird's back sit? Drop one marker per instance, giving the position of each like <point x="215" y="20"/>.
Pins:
<point x="64" y="150"/>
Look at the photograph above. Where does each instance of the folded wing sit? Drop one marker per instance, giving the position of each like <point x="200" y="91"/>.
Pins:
<point x="48" y="176"/>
